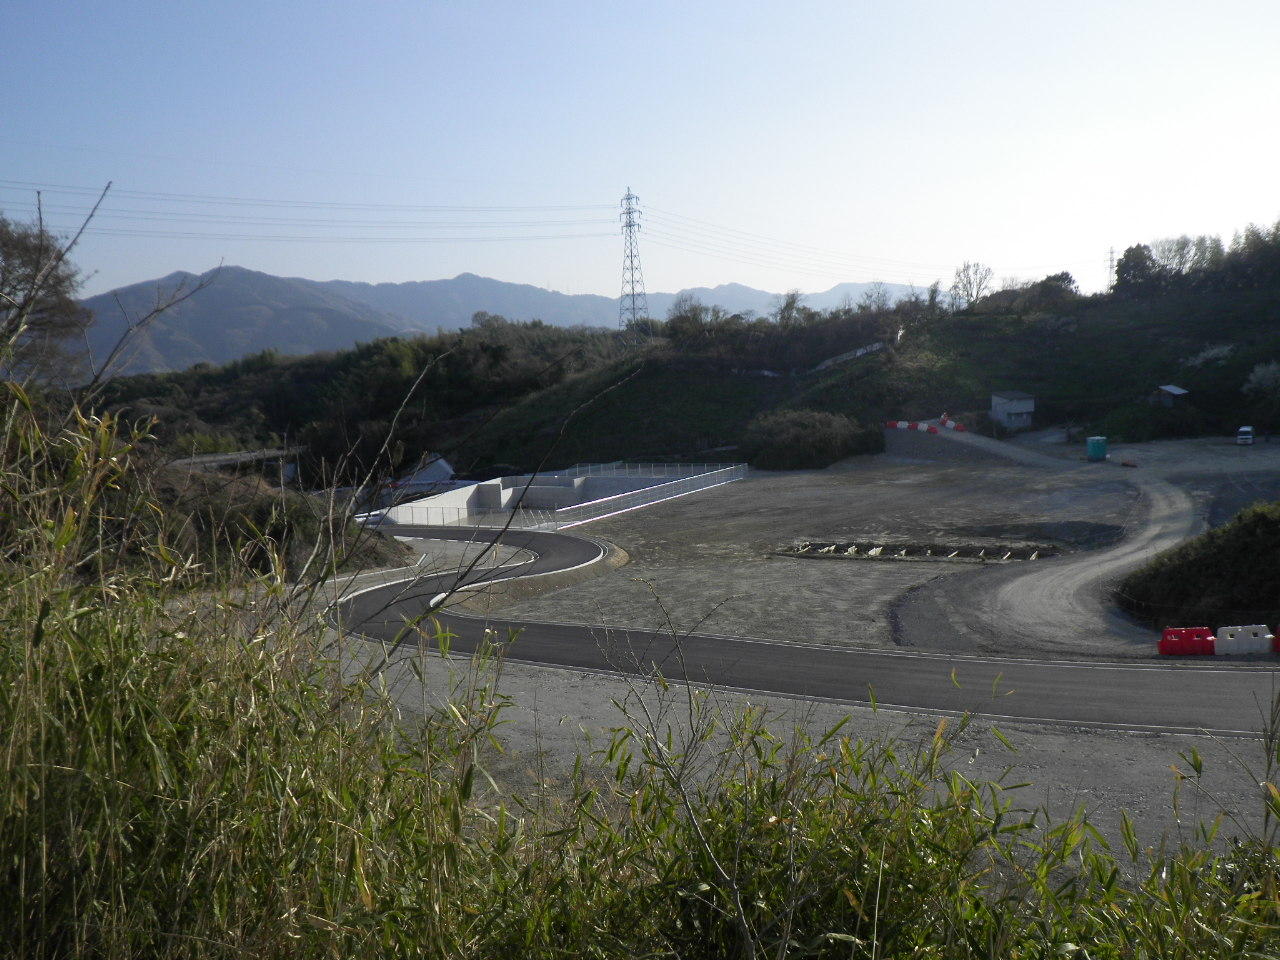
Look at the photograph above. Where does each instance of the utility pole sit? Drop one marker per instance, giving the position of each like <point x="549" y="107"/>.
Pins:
<point x="633" y="304"/>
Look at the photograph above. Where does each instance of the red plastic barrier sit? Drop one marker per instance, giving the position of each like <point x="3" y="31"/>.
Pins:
<point x="1186" y="642"/>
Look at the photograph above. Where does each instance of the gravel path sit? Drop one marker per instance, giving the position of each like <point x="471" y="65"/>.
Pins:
<point x="1063" y="606"/>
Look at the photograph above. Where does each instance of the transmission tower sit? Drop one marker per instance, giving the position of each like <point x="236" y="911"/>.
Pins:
<point x="633" y="304"/>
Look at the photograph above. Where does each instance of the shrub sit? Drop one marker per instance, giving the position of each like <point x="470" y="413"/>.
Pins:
<point x="1142" y="421"/>
<point x="806" y="439"/>
<point x="1228" y="575"/>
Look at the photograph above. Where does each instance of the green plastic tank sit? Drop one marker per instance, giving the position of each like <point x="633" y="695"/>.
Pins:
<point x="1096" y="449"/>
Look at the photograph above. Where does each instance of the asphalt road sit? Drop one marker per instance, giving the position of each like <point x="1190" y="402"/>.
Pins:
<point x="1184" y="697"/>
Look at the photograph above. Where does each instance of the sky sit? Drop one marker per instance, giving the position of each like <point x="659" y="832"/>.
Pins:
<point x="781" y="145"/>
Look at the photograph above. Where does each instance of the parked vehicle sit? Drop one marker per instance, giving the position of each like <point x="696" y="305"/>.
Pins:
<point x="1244" y="436"/>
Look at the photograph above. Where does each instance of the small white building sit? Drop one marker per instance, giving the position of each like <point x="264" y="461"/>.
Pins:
<point x="431" y="469"/>
<point x="1013" y="409"/>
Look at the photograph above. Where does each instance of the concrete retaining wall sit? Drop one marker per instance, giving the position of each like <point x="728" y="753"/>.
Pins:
<point x="567" y="497"/>
<point x="547" y="492"/>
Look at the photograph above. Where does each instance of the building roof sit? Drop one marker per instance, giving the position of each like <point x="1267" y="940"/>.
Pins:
<point x="1012" y="395"/>
<point x="1175" y="390"/>
<point x="432" y="468"/>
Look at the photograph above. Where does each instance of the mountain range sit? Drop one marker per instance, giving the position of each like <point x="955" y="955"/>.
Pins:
<point x="237" y="312"/>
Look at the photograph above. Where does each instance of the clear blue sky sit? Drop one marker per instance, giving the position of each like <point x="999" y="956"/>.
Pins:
<point x="782" y="145"/>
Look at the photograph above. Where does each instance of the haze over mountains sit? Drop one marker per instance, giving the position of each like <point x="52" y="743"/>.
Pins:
<point x="242" y="312"/>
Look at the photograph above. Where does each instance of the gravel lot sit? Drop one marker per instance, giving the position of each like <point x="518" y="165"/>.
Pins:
<point x="705" y="563"/>
<point x="555" y="716"/>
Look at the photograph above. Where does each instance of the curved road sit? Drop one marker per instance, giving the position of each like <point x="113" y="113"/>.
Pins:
<point x="1184" y="697"/>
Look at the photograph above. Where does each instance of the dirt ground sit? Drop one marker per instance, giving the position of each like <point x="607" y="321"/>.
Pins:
<point x="556" y="716"/>
<point x="707" y="563"/>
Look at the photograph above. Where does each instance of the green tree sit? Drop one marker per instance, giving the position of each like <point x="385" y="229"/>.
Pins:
<point x="1137" y="271"/>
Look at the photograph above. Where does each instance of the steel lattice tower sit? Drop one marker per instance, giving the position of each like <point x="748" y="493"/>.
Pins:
<point x="633" y="303"/>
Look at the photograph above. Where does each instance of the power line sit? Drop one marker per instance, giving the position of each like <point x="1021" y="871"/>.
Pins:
<point x="198" y="198"/>
<point x="731" y="234"/>
<point x="747" y="240"/>
<point x="303" y="238"/>
<point x="816" y="266"/>
<point x="161" y="216"/>
<point x="317" y="220"/>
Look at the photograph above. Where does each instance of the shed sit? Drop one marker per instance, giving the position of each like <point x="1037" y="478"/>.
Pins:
<point x="431" y="469"/>
<point x="1168" y="395"/>
<point x="1013" y="409"/>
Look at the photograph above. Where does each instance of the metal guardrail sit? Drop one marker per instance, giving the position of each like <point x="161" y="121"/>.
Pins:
<point x="686" y="482"/>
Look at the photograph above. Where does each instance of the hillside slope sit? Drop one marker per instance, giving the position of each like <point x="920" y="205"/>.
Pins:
<point x="240" y="312"/>
<point x="244" y="312"/>
<point x="1096" y="360"/>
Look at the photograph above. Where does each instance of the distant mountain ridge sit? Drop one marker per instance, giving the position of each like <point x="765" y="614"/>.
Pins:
<point x="242" y="312"/>
<point x="449" y="304"/>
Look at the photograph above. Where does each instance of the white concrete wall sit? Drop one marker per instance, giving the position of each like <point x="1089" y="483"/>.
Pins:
<point x="539" y="497"/>
<point x="545" y="493"/>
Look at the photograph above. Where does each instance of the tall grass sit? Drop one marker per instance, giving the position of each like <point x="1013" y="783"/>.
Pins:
<point x="203" y="773"/>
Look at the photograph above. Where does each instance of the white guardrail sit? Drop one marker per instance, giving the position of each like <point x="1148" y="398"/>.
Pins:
<point x="691" y="478"/>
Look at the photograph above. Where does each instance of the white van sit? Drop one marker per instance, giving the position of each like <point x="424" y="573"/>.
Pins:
<point x="1244" y="436"/>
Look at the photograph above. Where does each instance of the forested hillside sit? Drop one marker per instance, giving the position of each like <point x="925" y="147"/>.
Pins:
<point x="1188" y="312"/>
<point x="232" y="312"/>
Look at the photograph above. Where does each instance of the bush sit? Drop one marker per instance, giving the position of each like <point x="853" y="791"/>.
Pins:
<point x="806" y="439"/>
<point x="1142" y="421"/>
<point x="1228" y="575"/>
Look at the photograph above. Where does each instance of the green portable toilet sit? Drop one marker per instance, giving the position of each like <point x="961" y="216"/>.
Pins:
<point x="1096" y="449"/>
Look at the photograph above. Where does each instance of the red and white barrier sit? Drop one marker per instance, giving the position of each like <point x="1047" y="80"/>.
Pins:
<point x="910" y="425"/>
<point x="1187" y="642"/>
<point x="1228" y="641"/>
<point x="952" y="425"/>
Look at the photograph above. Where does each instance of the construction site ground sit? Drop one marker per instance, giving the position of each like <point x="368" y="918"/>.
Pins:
<point x="709" y="563"/>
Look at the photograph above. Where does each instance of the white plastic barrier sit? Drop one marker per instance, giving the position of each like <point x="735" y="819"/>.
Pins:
<point x="1254" y="638"/>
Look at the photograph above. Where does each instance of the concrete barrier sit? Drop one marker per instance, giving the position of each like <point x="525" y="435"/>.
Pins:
<point x="564" y="498"/>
